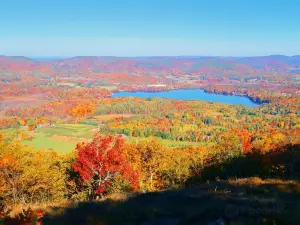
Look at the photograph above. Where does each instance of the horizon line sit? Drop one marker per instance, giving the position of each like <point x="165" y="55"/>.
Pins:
<point x="145" y="56"/>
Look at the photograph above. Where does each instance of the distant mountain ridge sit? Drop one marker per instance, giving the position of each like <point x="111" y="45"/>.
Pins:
<point x="153" y="64"/>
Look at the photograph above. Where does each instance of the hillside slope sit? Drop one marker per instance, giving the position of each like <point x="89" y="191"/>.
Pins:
<point x="237" y="201"/>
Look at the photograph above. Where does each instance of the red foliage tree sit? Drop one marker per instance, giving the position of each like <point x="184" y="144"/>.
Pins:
<point x="100" y="160"/>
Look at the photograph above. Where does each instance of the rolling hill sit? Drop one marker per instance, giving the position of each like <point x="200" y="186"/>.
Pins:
<point x="82" y="65"/>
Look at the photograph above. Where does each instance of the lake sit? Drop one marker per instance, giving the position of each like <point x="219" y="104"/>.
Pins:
<point x="190" y="94"/>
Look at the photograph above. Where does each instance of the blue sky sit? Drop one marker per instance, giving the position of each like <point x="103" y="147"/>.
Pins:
<point x="149" y="27"/>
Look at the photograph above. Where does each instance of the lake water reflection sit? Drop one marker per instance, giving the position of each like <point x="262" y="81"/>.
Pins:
<point x="190" y="94"/>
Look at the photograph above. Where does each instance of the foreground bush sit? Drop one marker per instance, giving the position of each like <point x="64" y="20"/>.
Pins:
<point x="30" y="176"/>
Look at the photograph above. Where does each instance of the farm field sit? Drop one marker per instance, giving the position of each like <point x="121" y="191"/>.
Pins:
<point x="43" y="142"/>
<point x="70" y="130"/>
<point x="62" y="138"/>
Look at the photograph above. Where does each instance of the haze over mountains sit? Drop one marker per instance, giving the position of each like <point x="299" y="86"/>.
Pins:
<point x="149" y="65"/>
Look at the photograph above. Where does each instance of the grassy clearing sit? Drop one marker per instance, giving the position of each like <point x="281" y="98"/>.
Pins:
<point x="69" y="130"/>
<point x="44" y="142"/>
<point x="62" y="138"/>
<point x="10" y="132"/>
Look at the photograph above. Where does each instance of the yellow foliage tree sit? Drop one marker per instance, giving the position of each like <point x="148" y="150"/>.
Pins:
<point x="29" y="176"/>
<point x="148" y="158"/>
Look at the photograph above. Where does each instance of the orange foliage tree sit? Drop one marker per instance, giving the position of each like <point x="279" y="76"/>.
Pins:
<point x="82" y="110"/>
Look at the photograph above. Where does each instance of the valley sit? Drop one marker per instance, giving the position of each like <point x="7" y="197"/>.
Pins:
<point x="96" y="129"/>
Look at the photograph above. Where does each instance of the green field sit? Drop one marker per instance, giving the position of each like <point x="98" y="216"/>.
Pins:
<point x="43" y="142"/>
<point x="10" y="132"/>
<point x="64" y="137"/>
<point x="70" y="130"/>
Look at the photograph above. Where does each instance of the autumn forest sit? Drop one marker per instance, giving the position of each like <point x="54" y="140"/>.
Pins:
<point x="68" y="148"/>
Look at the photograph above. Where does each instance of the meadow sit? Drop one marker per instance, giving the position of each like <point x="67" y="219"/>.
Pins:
<point x="62" y="138"/>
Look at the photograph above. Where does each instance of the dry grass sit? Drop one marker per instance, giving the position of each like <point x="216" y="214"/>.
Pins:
<point x="252" y="181"/>
<point x="290" y="186"/>
<point x="47" y="207"/>
<point x="116" y="197"/>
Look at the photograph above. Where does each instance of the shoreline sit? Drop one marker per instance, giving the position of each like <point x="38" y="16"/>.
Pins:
<point x="252" y="99"/>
